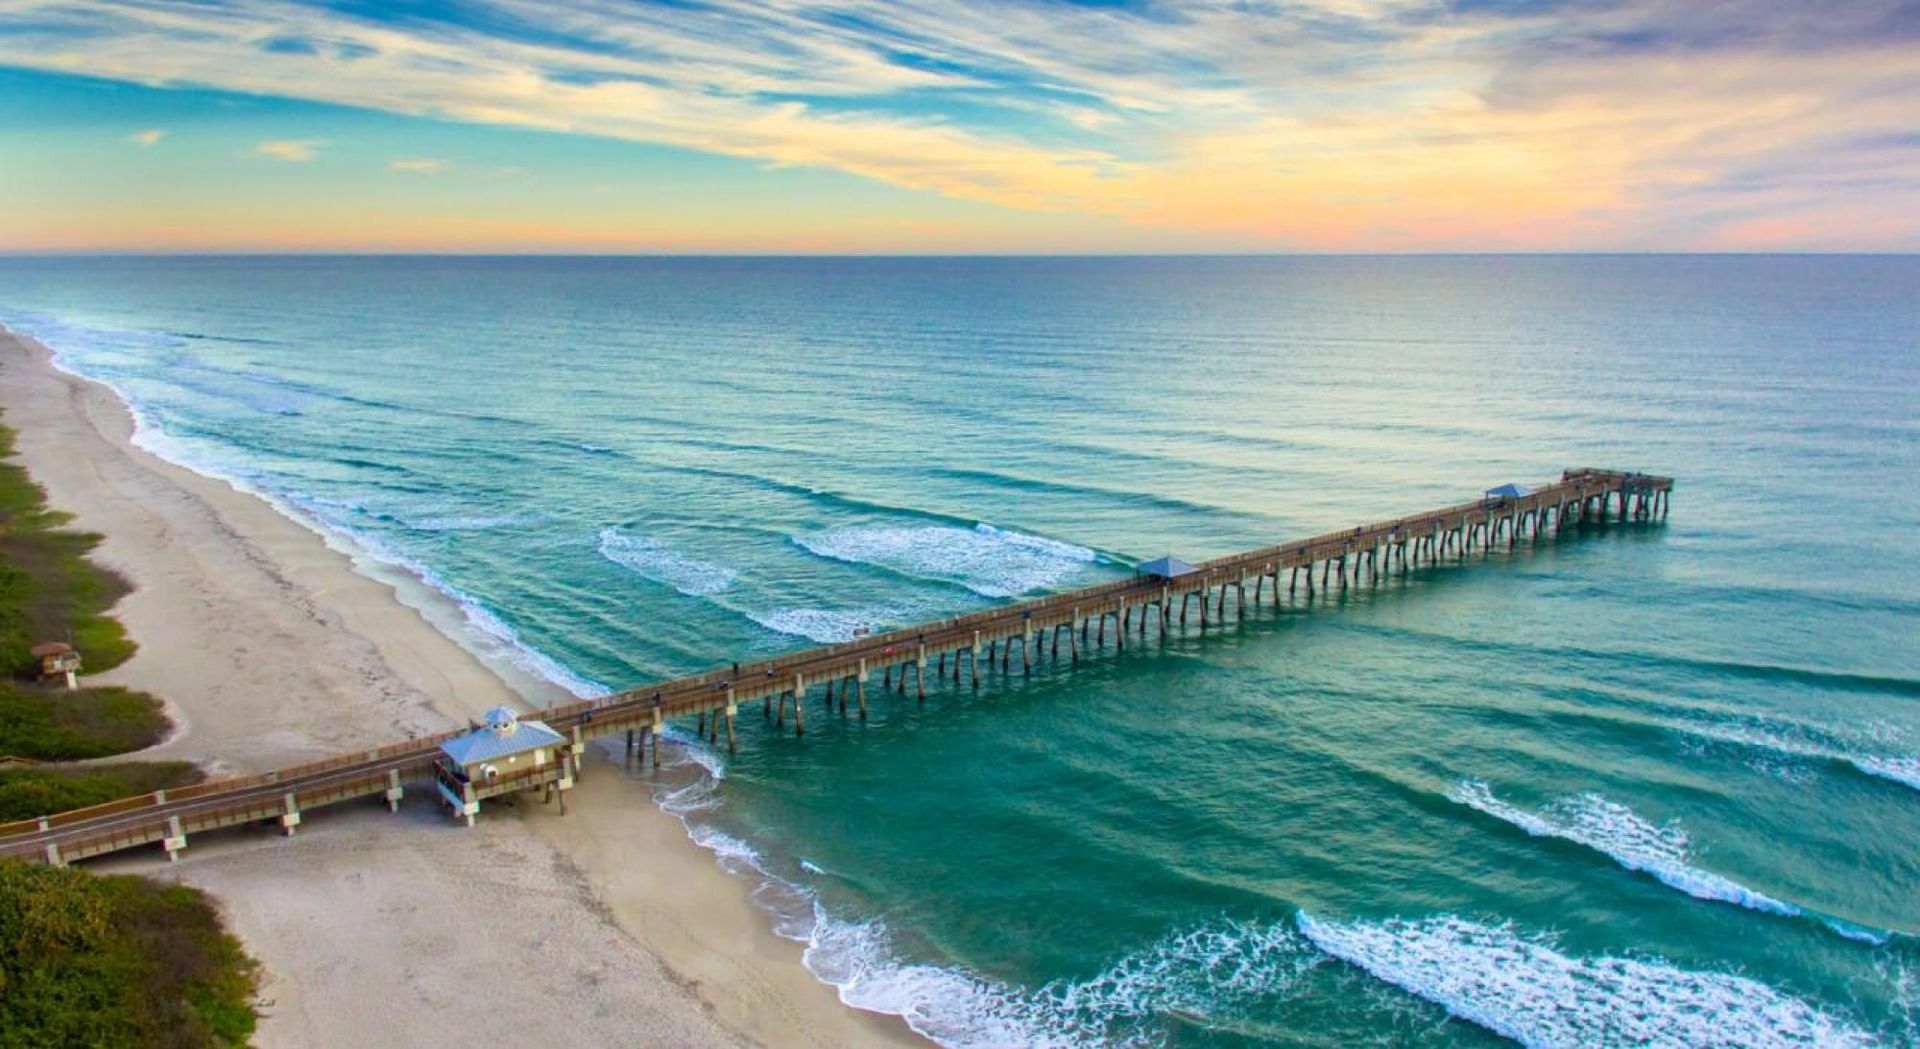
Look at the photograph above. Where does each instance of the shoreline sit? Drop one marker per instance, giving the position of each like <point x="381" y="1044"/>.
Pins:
<point x="239" y="605"/>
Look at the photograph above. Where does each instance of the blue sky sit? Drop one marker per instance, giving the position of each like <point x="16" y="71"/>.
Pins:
<point x="783" y="125"/>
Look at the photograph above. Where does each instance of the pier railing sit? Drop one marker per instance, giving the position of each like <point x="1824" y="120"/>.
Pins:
<point x="1429" y="537"/>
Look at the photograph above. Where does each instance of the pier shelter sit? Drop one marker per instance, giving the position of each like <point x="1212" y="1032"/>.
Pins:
<point x="504" y="755"/>
<point x="1167" y="568"/>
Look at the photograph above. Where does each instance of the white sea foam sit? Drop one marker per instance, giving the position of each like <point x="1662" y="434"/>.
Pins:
<point x="1220" y="972"/>
<point x="662" y="564"/>
<point x="1526" y="989"/>
<point x="831" y="625"/>
<point x="1609" y="827"/>
<point x="466" y="522"/>
<point x="485" y="633"/>
<point x="1905" y="771"/>
<point x="1211" y="973"/>
<point x="1901" y="769"/>
<point x="989" y="561"/>
<point x="1858" y="933"/>
<point x="1215" y="972"/>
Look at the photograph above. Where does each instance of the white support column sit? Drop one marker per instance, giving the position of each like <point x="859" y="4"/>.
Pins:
<point x="175" y="840"/>
<point x="290" y="818"/>
<point x="393" y="790"/>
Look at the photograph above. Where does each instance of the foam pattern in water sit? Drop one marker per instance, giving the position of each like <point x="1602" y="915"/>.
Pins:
<point x="1773" y="742"/>
<point x="655" y="560"/>
<point x="989" y="561"/>
<point x="1662" y="850"/>
<point x="831" y="625"/>
<point x="1214" y="973"/>
<point x="1527" y="989"/>
<point x="1218" y="972"/>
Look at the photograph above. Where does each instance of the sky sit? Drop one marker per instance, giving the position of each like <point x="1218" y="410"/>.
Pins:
<point x="959" y="126"/>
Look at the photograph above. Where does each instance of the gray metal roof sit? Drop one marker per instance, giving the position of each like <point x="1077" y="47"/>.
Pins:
<point x="1509" y="491"/>
<point x="488" y="744"/>
<point x="1167" y="567"/>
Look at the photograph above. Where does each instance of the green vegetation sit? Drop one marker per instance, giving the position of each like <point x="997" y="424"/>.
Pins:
<point x="116" y="961"/>
<point x="85" y="960"/>
<point x="49" y="591"/>
<point x="53" y="724"/>
<point x="41" y="790"/>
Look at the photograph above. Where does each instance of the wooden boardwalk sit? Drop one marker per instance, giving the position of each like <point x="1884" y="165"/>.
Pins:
<point x="960" y="649"/>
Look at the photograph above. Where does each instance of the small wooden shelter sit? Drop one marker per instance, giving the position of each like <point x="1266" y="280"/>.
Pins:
<point x="58" y="660"/>
<point x="503" y="755"/>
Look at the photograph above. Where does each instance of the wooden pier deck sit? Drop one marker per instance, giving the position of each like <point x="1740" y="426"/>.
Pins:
<point x="959" y="649"/>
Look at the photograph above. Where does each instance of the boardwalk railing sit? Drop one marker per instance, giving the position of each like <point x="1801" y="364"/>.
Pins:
<point x="950" y="644"/>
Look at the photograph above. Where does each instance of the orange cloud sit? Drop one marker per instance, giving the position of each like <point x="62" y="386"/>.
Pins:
<point x="1372" y="124"/>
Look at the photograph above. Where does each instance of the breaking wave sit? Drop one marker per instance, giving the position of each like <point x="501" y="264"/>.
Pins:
<point x="467" y="522"/>
<point x="655" y="560"/>
<point x="485" y="634"/>
<point x="1215" y="973"/>
<point x="1778" y="742"/>
<point x="1611" y="828"/>
<point x="1525" y="988"/>
<point x="829" y="626"/>
<point x="989" y="561"/>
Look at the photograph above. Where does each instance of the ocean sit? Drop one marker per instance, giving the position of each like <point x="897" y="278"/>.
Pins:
<point x="1646" y="783"/>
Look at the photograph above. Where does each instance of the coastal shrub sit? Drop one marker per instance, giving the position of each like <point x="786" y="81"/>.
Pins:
<point x="42" y="790"/>
<point x="117" y="961"/>
<point x="55" y="724"/>
<point x="49" y="591"/>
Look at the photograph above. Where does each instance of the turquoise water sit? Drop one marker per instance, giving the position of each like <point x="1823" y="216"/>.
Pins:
<point x="1652" y="783"/>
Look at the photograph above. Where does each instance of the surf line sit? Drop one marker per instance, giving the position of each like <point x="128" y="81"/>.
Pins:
<point x="1432" y="538"/>
<point x="1662" y="851"/>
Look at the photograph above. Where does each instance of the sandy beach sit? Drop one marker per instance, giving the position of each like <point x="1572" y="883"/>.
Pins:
<point x="604" y="926"/>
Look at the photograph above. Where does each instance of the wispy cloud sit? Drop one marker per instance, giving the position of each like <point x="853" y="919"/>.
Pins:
<point x="1321" y="123"/>
<point x="149" y="137"/>
<point x="288" y="149"/>
<point x="418" y="165"/>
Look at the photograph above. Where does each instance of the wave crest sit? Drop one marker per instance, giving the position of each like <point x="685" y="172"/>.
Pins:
<point x="648" y="557"/>
<point x="1807" y="744"/>
<point x="829" y="626"/>
<point x="989" y="561"/>
<point x="1211" y="973"/>
<point x="1609" y="827"/>
<point x="1526" y="989"/>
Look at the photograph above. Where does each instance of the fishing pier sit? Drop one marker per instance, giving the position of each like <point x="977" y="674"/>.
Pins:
<point x="964" y="650"/>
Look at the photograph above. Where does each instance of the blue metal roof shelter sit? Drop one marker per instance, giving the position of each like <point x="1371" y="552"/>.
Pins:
<point x="503" y="735"/>
<point x="1167" y="568"/>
